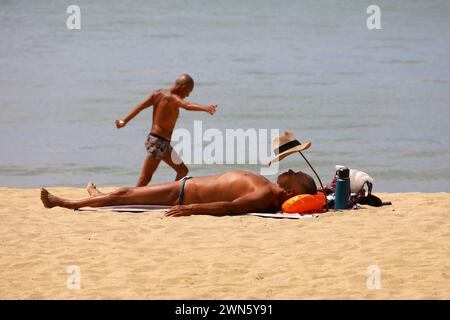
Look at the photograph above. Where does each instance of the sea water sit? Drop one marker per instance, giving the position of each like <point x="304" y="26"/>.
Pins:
<point x="373" y="100"/>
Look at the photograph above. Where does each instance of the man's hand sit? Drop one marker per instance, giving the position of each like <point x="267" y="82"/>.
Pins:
<point x="120" y="124"/>
<point x="211" y="109"/>
<point x="178" y="211"/>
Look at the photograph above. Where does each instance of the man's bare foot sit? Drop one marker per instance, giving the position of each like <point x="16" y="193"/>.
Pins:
<point x="49" y="200"/>
<point x="92" y="189"/>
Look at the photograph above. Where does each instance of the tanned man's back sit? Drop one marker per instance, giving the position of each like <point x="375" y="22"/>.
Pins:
<point x="165" y="113"/>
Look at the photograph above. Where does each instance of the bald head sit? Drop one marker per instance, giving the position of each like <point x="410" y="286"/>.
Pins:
<point x="307" y="185"/>
<point x="297" y="182"/>
<point x="184" y="81"/>
<point x="183" y="86"/>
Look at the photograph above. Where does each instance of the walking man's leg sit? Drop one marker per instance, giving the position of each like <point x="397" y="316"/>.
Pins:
<point x="149" y="167"/>
<point x="174" y="161"/>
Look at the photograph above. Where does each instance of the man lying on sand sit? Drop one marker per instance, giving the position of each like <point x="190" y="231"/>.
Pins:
<point x="231" y="193"/>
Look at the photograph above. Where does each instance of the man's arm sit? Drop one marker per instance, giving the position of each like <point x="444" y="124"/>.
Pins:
<point x="254" y="202"/>
<point x="133" y="113"/>
<point x="211" y="109"/>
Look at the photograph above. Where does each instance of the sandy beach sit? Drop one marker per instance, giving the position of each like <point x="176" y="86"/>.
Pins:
<point x="148" y="256"/>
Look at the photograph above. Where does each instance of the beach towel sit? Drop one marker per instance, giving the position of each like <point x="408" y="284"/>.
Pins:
<point x="282" y="215"/>
<point x="128" y="208"/>
<point x="157" y="208"/>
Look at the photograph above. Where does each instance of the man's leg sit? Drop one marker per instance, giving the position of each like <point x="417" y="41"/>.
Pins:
<point x="149" y="167"/>
<point x="159" y="194"/>
<point x="174" y="161"/>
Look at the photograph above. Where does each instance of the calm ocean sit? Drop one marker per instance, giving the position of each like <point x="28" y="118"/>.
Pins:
<point x="375" y="100"/>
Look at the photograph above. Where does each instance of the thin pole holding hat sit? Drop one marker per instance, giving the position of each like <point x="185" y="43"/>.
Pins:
<point x="318" y="178"/>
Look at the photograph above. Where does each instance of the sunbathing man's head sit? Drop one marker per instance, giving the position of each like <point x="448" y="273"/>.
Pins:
<point x="295" y="183"/>
<point x="184" y="85"/>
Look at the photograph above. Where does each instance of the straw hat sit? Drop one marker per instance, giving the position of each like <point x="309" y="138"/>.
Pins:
<point x="285" y="145"/>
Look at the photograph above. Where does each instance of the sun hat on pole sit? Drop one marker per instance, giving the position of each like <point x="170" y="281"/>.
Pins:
<point x="285" y="145"/>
